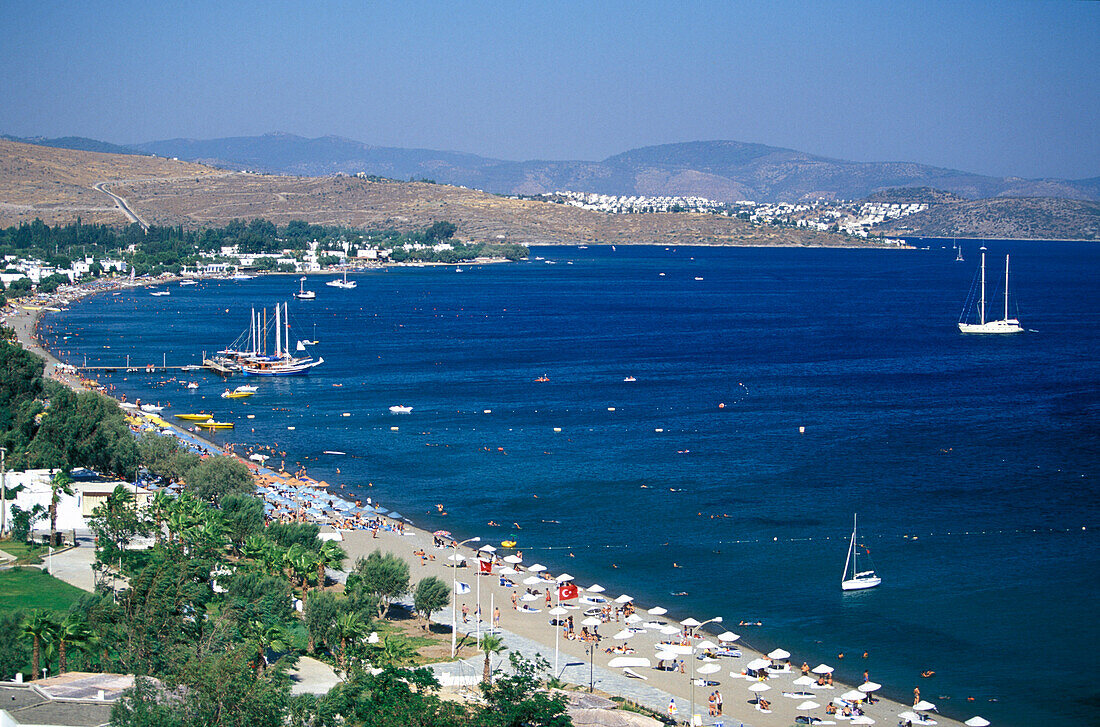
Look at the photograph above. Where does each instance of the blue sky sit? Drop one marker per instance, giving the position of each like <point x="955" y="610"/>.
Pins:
<point x="1002" y="88"/>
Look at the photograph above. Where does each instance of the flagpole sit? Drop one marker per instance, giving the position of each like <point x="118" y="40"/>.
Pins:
<point x="477" y="616"/>
<point x="557" y="635"/>
<point x="454" y="592"/>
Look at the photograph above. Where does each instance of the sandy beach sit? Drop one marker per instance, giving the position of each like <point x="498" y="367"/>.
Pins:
<point x="534" y="626"/>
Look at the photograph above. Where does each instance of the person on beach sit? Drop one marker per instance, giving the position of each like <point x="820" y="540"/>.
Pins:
<point x="711" y="707"/>
<point x="916" y="695"/>
<point x="514" y="604"/>
<point x="718" y="702"/>
<point x="465" y="613"/>
<point x="496" y="616"/>
<point x="806" y="669"/>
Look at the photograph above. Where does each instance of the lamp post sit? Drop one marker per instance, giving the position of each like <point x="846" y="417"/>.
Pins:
<point x="3" y="491"/>
<point x="454" y="592"/>
<point x="693" y="626"/>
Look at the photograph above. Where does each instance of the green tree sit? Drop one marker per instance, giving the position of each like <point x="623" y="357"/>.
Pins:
<point x="140" y="706"/>
<point x="39" y="626"/>
<point x="22" y="521"/>
<point x="348" y="628"/>
<point x="384" y="577"/>
<point x="60" y="484"/>
<point x="287" y="534"/>
<point x="215" y="477"/>
<point x="490" y="644"/>
<point x="244" y="516"/>
<point x="320" y="613"/>
<point x="72" y="631"/>
<point x="406" y="697"/>
<point x="431" y="595"/>
<point x="116" y="522"/>
<point x="14" y="649"/>
<point x="516" y="699"/>
<point x="224" y="691"/>
<point x="330" y="555"/>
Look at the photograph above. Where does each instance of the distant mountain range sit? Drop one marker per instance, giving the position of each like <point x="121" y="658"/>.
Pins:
<point x="721" y="170"/>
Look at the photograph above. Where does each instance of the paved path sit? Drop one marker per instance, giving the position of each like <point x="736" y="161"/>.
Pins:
<point x="74" y="566"/>
<point x="310" y="676"/>
<point x="121" y="203"/>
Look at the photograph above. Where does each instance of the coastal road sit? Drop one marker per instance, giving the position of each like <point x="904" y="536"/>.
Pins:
<point x="121" y="204"/>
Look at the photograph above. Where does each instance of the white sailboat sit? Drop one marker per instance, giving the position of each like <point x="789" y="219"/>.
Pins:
<point x="1005" y="325"/>
<point x="855" y="579"/>
<point x="345" y="284"/>
<point x="302" y="293"/>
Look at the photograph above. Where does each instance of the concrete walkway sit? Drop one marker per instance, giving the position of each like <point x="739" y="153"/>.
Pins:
<point x="310" y="676"/>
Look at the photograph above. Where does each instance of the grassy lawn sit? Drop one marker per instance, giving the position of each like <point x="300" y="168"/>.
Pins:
<point x="26" y="588"/>
<point x="25" y="553"/>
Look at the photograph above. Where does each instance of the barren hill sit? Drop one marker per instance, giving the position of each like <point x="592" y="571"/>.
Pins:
<point x="56" y="185"/>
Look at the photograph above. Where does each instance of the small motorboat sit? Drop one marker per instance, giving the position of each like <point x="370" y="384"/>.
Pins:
<point x="151" y="408"/>
<point x="227" y="394"/>
<point x="160" y="293"/>
<point x="211" y="424"/>
<point x="401" y="409"/>
<point x="630" y="378"/>
<point x="246" y="388"/>
<point x="192" y="385"/>
<point x="542" y="379"/>
<point x="194" y="417"/>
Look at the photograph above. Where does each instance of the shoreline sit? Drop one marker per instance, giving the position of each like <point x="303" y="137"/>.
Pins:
<point x="529" y="625"/>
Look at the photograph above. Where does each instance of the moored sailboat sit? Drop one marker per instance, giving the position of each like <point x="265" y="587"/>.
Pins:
<point x="1005" y="325"/>
<point x="855" y="579"/>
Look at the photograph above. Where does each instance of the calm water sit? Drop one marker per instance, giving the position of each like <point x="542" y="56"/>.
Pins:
<point x="972" y="461"/>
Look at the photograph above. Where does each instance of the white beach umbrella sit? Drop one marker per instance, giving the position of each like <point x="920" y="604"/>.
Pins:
<point x="624" y="599"/>
<point x="728" y="636"/>
<point x="681" y="649"/>
<point x="804" y="681"/>
<point x="457" y="557"/>
<point x="507" y="571"/>
<point x="864" y="719"/>
<point x="634" y="618"/>
<point x="977" y="722"/>
<point x="691" y="623"/>
<point x="779" y="654"/>
<point x="822" y="669"/>
<point x="706" y="644"/>
<point x="853" y="695"/>
<point x="537" y="568"/>
<point x="869" y="687"/>
<point x="668" y="630"/>
<point x="708" y="669"/>
<point x="488" y="548"/>
<point x="528" y="597"/>
<point x="758" y="687"/>
<point x="923" y="706"/>
<point x="911" y="716"/>
<point x="531" y="580"/>
<point x="667" y="655"/>
<point x="592" y="621"/>
<point x="624" y="634"/>
<point x="758" y="664"/>
<point x="807" y="706"/>
<point x="595" y="588"/>
<point x="513" y="559"/>
<point x="558" y="611"/>
<point x="657" y="611"/>
<point x="563" y="578"/>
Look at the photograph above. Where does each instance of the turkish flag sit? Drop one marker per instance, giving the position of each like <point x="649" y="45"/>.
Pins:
<point x="567" y="591"/>
<point x="486" y="566"/>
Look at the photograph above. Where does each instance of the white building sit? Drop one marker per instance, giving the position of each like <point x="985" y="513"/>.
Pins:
<point x="73" y="510"/>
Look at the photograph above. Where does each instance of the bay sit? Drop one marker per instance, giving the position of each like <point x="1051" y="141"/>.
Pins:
<point x="972" y="461"/>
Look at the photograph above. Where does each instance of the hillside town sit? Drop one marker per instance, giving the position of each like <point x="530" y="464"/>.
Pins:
<point x="857" y="219"/>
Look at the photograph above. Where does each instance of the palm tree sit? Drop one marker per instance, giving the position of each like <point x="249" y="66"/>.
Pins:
<point x="332" y="556"/>
<point x="162" y="508"/>
<point x="394" y="651"/>
<point x="266" y="637"/>
<point x="71" y="631"/>
<point x="253" y="547"/>
<point x="490" y="644"/>
<point x="39" y="625"/>
<point x="348" y="626"/>
<point x="60" y="484"/>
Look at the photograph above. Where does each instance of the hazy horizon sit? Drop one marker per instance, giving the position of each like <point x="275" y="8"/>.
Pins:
<point x="1011" y="89"/>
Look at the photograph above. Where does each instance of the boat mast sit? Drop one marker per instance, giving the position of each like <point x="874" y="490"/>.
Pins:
<point x="1006" y="287"/>
<point x="278" y="332"/>
<point x="982" y="306"/>
<point x="286" y="335"/>
<point x="851" y="549"/>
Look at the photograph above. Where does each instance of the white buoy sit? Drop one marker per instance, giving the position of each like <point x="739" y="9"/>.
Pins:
<point x="345" y="414"/>
<point x="487" y="411"/>
<point x="291" y="428"/>
<point x="802" y="430"/>
<point x="658" y="430"/>
<point x="251" y="416"/>
<point x="557" y="429"/>
<point x="611" y="408"/>
<point x="393" y="429"/>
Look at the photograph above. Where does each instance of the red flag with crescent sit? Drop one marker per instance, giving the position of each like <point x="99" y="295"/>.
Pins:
<point x="567" y="591"/>
<point x="486" y="566"/>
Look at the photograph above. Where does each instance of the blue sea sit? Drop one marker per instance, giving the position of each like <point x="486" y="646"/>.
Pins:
<point x="972" y="461"/>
